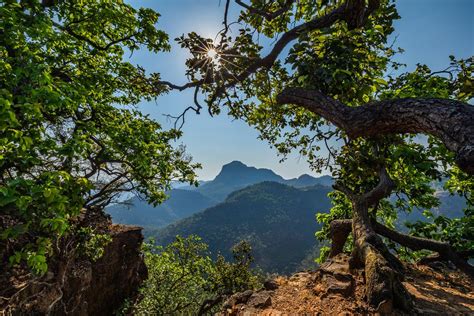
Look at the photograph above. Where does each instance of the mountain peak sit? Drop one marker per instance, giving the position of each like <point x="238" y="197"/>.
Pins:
<point x="237" y="169"/>
<point x="234" y="164"/>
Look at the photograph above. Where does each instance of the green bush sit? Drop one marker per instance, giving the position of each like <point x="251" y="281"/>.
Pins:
<point x="183" y="279"/>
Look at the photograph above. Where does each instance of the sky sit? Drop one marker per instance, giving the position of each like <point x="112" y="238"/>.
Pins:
<point x="429" y="31"/>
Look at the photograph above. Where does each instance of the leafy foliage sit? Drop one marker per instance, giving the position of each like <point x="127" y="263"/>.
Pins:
<point x="182" y="277"/>
<point x="458" y="232"/>
<point x="70" y="137"/>
<point x="350" y="64"/>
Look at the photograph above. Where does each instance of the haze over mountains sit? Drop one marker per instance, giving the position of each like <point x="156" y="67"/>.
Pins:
<point x="276" y="219"/>
<point x="187" y="200"/>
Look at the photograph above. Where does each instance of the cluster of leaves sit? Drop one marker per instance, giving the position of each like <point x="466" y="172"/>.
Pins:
<point x="91" y="243"/>
<point x="458" y="232"/>
<point x="416" y="165"/>
<point x="182" y="278"/>
<point x="351" y="65"/>
<point x="69" y="135"/>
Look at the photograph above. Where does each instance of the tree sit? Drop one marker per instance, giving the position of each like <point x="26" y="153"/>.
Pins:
<point x="331" y="85"/>
<point x="183" y="279"/>
<point x="71" y="138"/>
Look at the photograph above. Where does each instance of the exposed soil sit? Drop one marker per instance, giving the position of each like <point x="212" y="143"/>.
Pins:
<point x="334" y="290"/>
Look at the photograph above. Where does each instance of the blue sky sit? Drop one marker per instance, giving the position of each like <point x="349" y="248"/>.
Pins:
<point x="429" y="31"/>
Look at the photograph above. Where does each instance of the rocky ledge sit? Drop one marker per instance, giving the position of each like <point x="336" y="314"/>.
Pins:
<point x="80" y="286"/>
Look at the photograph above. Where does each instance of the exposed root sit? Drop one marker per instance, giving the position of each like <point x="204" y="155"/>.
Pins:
<point x="384" y="288"/>
<point x="442" y="251"/>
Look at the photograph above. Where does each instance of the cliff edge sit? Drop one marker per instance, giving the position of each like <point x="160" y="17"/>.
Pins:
<point x="78" y="285"/>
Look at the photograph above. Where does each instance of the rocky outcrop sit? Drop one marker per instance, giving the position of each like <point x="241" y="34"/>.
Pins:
<point x="81" y="286"/>
<point x="101" y="287"/>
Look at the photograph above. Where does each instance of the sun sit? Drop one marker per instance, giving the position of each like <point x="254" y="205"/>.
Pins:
<point x="213" y="57"/>
<point x="211" y="53"/>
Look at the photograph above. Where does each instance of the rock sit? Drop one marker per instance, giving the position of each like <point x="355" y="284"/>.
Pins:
<point x="118" y="274"/>
<point x="260" y="299"/>
<point x="238" y="298"/>
<point x="270" y="285"/>
<point x="336" y="265"/>
<point x="80" y="286"/>
<point x="339" y="284"/>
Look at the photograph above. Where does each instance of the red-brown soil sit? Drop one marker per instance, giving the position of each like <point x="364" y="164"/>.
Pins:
<point x="334" y="290"/>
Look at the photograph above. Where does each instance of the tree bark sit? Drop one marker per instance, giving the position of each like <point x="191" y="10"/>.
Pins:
<point x="450" y="121"/>
<point x="384" y="288"/>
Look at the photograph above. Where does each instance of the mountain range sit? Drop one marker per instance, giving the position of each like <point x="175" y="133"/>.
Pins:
<point x="236" y="175"/>
<point x="187" y="200"/>
<point x="276" y="215"/>
<point x="276" y="219"/>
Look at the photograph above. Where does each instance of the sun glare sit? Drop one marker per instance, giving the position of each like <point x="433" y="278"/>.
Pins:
<point x="211" y="53"/>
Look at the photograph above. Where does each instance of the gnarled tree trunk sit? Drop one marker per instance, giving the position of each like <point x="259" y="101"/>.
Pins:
<point x="383" y="282"/>
<point x="384" y="288"/>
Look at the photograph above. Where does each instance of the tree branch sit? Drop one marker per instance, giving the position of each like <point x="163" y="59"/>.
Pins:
<point x="267" y="15"/>
<point x="383" y="189"/>
<point x="342" y="188"/>
<point x="418" y="243"/>
<point x="449" y="120"/>
<point x="70" y="31"/>
<point x="267" y="61"/>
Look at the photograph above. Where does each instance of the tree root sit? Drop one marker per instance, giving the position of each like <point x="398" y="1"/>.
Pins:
<point x="444" y="251"/>
<point x="339" y="230"/>
<point x="384" y="288"/>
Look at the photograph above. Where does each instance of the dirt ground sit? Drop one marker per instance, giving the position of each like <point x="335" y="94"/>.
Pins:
<point x="435" y="291"/>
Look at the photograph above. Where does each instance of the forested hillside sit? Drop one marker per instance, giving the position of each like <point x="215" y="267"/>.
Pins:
<point x="277" y="220"/>
<point x="181" y="203"/>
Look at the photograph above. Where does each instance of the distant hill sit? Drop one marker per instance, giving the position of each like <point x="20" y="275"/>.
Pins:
<point x="181" y="203"/>
<point x="236" y="175"/>
<point x="278" y="220"/>
<point x="306" y="180"/>
<point x="187" y="200"/>
<point x="450" y="206"/>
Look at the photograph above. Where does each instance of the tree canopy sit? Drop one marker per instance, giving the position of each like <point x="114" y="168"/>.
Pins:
<point x="71" y="137"/>
<point x="327" y="80"/>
